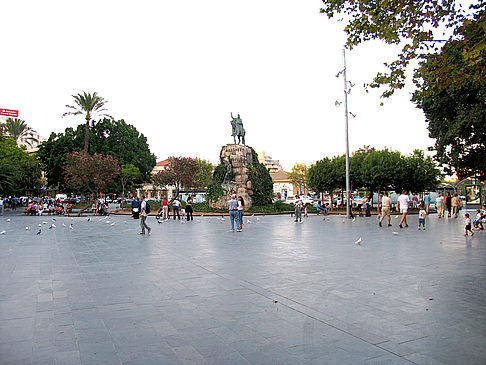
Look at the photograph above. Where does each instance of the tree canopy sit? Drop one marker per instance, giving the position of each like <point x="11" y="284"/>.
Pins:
<point x="451" y="93"/>
<point x="17" y="129"/>
<point x="87" y="104"/>
<point x="20" y="172"/>
<point x="180" y="172"/>
<point x="89" y="174"/>
<point x="205" y="173"/>
<point x="413" y="25"/>
<point x="298" y="176"/>
<point x="108" y="137"/>
<point x="128" y="174"/>
<point x="375" y="170"/>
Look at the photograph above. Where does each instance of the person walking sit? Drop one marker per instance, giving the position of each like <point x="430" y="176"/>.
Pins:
<point x="189" y="209"/>
<point x="439" y="205"/>
<point x="456" y="203"/>
<point x="386" y="205"/>
<point x="175" y="208"/>
<point x="2" y="206"/>
<point x="467" y="222"/>
<point x="448" y="204"/>
<point x="233" y="213"/>
<point x="298" y="209"/>
<point x="143" y="216"/>
<point x="402" y="206"/>
<point x="241" y="210"/>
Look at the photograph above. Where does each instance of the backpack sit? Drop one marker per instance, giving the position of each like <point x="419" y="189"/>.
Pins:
<point x="147" y="207"/>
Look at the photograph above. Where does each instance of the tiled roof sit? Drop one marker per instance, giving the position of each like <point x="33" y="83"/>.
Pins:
<point x="279" y="175"/>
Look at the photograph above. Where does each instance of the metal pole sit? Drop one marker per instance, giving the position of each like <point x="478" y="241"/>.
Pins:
<point x="348" y="207"/>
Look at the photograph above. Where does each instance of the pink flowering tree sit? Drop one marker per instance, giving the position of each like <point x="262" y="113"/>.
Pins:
<point x="90" y="174"/>
<point x="182" y="172"/>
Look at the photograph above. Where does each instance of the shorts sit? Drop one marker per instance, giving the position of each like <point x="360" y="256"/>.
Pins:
<point x="403" y="210"/>
<point x="385" y="211"/>
<point x="468" y="227"/>
<point x="422" y="221"/>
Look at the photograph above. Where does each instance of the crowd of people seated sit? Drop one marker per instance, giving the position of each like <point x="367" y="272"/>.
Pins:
<point x="48" y="206"/>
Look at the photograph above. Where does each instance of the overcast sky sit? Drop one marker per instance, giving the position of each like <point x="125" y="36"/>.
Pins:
<point x="176" y="69"/>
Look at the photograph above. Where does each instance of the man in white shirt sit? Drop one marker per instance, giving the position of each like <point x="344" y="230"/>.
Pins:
<point x="402" y="206"/>
<point x="1" y="206"/>
<point x="143" y="216"/>
<point x="386" y="205"/>
<point x="233" y="213"/>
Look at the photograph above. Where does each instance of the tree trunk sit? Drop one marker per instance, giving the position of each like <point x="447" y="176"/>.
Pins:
<point x="86" y="134"/>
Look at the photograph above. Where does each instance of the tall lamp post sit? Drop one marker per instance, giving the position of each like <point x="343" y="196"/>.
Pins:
<point x="347" y="89"/>
<point x="346" y="92"/>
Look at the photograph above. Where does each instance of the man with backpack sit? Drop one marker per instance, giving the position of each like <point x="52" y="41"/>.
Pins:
<point x="144" y="211"/>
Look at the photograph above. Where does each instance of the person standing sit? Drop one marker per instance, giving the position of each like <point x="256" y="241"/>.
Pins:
<point x="14" y="203"/>
<point x="422" y="216"/>
<point x="439" y="205"/>
<point x="367" y="205"/>
<point x="241" y="210"/>
<point x="402" y="206"/>
<point x="298" y="209"/>
<point x="386" y="204"/>
<point x="189" y="210"/>
<point x="233" y="213"/>
<point x="427" y="202"/>
<point x="135" y="208"/>
<point x="448" y="204"/>
<point x="175" y="208"/>
<point x="165" y="208"/>
<point x="455" y="202"/>
<point x="143" y="216"/>
<point x="1" y="206"/>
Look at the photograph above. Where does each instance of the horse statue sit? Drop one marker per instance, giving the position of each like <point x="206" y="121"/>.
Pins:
<point x="237" y="129"/>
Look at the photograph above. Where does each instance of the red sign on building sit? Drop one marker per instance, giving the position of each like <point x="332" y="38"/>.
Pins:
<point x="9" y="113"/>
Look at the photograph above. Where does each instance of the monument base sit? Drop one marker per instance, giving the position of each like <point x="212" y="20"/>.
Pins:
<point x="240" y="157"/>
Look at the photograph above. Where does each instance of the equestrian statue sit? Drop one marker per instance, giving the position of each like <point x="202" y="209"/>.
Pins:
<point x="237" y="129"/>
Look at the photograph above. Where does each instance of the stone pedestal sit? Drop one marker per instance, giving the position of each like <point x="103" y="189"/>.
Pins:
<point x="239" y="157"/>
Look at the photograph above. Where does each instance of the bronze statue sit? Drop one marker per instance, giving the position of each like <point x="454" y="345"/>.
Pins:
<point x="237" y="129"/>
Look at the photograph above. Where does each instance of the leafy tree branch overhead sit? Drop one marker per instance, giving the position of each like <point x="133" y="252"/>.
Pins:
<point x="411" y="24"/>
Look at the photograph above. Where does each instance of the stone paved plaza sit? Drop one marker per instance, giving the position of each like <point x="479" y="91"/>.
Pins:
<point x="277" y="293"/>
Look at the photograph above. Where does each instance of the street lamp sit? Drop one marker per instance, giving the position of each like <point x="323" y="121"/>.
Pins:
<point x="347" y="89"/>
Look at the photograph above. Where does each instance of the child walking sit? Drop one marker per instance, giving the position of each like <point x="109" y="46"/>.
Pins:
<point x="422" y="215"/>
<point x="468" y="224"/>
<point x="479" y="220"/>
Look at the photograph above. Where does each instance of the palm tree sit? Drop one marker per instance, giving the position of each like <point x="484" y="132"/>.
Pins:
<point x="17" y="129"/>
<point x="87" y="104"/>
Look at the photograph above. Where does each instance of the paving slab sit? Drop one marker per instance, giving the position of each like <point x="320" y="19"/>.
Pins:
<point x="89" y="292"/>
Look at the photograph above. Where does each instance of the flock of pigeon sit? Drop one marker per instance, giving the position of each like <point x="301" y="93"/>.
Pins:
<point x="52" y="225"/>
<point x="222" y="219"/>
